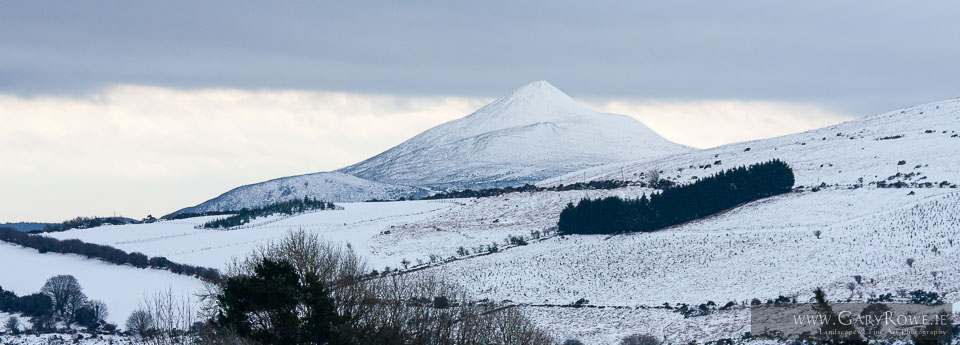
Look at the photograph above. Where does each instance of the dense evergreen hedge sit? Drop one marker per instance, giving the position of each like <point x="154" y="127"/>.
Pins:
<point x="86" y="223"/>
<point x="108" y="254"/>
<point x="33" y="305"/>
<point x="175" y="216"/>
<point x="676" y="205"/>
<point x="244" y="215"/>
<point x="489" y="192"/>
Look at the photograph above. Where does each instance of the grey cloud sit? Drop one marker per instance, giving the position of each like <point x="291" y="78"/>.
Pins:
<point x="856" y="57"/>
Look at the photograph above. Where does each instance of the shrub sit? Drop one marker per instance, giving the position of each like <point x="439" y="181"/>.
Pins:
<point x="35" y="305"/>
<point x="640" y="339"/>
<point x="13" y="325"/>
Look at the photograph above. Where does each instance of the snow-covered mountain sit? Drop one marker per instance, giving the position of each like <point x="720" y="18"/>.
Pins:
<point x="532" y="133"/>
<point x="826" y="237"/>
<point x="330" y="186"/>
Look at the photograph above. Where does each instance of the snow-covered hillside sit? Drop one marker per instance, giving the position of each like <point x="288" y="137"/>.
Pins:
<point x="913" y="145"/>
<point x="327" y="186"/>
<point x="122" y="288"/>
<point x="785" y="245"/>
<point x="534" y="132"/>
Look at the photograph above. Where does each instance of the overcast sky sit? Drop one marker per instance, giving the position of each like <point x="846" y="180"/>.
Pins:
<point x="146" y="107"/>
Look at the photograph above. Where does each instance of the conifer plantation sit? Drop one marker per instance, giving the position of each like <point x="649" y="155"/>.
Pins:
<point x="243" y="216"/>
<point x="677" y="205"/>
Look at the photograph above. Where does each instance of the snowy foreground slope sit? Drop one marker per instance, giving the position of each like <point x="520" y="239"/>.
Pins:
<point x="122" y="288"/>
<point x="535" y="132"/>
<point x="762" y="250"/>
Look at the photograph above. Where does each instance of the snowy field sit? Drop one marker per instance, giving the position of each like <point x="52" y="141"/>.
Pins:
<point x="763" y="249"/>
<point x="122" y="288"/>
<point x="357" y="224"/>
<point x="924" y="137"/>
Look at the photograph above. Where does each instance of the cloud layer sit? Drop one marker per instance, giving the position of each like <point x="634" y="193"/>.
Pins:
<point x="134" y="150"/>
<point x="863" y="58"/>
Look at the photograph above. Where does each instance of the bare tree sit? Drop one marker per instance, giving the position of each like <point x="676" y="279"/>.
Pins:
<point x="910" y="262"/>
<point x="99" y="309"/>
<point x="140" y="322"/>
<point x="817" y="233"/>
<point x="66" y="294"/>
<point x="653" y="177"/>
<point x="414" y="308"/>
<point x="852" y="287"/>
<point x="171" y="316"/>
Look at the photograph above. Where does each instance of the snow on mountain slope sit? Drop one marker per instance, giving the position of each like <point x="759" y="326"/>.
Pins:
<point x="761" y="250"/>
<point x="535" y="132"/>
<point x="328" y="186"/>
<point x="122" y="288"/>
<point x="359" y="224"/>
<point x="916" y="142"/>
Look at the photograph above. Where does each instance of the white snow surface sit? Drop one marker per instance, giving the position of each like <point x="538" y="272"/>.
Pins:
<point x="763" y="249"/>
<point x="532" y="133"/>
<point x="122" y="288"/>
<point x="327" y="186"/>
<point x="868" y="148"/>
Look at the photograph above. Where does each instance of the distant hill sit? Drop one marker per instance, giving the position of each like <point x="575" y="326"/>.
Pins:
<point x="533" y="133"/>
<point x="24" y="226"/>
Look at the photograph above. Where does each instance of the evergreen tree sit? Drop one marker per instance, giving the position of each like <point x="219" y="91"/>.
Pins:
<point x="274" y="306"/>
<point x="677" y="205"/>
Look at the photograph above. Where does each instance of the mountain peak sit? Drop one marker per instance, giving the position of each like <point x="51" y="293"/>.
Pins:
<point x="539" y="87"/>
<point x="538" y="101"/>
<point x="540" y="93"/>
<point x="532" y="133"/>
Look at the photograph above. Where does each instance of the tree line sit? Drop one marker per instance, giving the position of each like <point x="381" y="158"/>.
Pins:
<point x="86" y="223"/>
<point x="104" y="253"/>
<point x="677" y="205"/>
<point x="184" y="215"/>
<point x="497" y="191"/>
<point x="60" y="299"/>
<point x="245" y="215"/>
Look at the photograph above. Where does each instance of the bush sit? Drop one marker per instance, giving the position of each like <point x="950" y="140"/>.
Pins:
<point x="640" y="339"/>
<point x="12" y="325"/>
<point x="677" y="205"/>
<point x="35" y="305"/>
